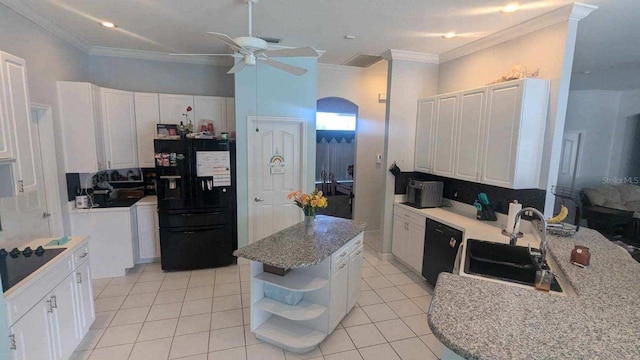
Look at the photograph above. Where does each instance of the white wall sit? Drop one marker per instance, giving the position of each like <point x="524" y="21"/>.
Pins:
<point x="610" y="123"/>
<point x="594" y="113"/>
<point x="160" y="76"/>
<point x="408" y="81"/>
<point x="49" y="59"/>
<point x="362" y="86"/>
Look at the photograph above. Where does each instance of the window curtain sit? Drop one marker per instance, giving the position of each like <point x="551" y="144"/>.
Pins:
<point x="334" y="157"/>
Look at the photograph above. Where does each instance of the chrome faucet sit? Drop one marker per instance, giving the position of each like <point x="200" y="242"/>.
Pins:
<point x="543" y="242"/>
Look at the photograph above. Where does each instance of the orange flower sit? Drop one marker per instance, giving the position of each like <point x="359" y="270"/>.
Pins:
<point x="314" y="202"/>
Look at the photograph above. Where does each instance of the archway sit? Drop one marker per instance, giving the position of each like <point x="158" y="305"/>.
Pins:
<point x="336" y="126"/>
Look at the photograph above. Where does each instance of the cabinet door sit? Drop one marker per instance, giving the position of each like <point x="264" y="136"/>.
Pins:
<point x="147" y="232"/>
<point x="210" y="108"/>
<point x="445" y="135"/>
<point x="355" y="277"/>
<point x="18" y="111"/>
<point x="339" y="292"/>
<point x="415" y="248"/>
<point x="63" y="318"/>
<point x="501" y="134"/>
<point x="172" y="108"/>
<point x="424" y="135"/>
<point x="470" y="132"/>
<point x="101" y="155"/>
<point x="31" y="336"/>
<point x="147" y="117"/>
<point x="399" y="241"/>
<point x="118" y="117"/>
<point x="84" y="298"/>
<point x="6" y="144"/>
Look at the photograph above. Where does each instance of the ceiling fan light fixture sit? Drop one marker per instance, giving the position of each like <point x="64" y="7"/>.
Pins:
<point x="108" y="24"/>
<point x="250" y="59"/>
<point x="513" y="7"/>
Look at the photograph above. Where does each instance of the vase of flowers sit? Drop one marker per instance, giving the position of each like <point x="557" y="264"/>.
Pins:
<point x="309" y="203"/>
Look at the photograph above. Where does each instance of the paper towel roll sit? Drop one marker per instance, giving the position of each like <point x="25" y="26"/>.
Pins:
<point x="514" y="207"/>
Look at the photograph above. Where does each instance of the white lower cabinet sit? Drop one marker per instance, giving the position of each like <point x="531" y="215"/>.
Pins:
<point x="84" y="296"/>
<point x="408" y="237"/>
<point x="148" y="233"/>
<point x="54" y="326"/>
<point x="355" y="276"/>
<point x="339" y="292"/>
<point x="34" y="325"/>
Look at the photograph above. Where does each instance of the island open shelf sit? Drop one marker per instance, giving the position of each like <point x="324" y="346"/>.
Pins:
<point x="304" y="310"/>
<point x="294" y="281"/>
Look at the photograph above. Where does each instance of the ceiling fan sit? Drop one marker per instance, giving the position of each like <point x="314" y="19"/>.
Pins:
<point x="252" y="49"/>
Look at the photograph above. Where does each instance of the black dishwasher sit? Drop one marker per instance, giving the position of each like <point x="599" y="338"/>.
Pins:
<point x="441" y="244"/>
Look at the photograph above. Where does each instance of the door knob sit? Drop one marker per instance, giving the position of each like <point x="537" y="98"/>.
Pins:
<point x="257" y="199"/>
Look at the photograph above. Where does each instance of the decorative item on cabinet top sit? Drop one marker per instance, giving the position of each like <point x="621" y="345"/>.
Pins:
<point x="515" y="73"/>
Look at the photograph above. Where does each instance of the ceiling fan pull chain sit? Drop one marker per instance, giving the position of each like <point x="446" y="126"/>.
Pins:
<point x="257" y="116"/>
<point x="250" y="17"/>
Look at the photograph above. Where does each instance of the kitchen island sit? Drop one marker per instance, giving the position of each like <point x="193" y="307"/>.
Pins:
<point x="479" y="319"/>
<point x="325" y="268"/>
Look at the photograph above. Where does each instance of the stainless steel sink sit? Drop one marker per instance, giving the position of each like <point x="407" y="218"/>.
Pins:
<point x="503" y="262"/>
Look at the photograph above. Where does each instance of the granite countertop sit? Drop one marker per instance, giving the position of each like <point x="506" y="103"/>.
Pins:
<point x="291" y="248"/>
<point x="479" y="319"/>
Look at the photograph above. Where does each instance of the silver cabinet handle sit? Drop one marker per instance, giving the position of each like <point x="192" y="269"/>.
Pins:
<point x="49" y="306"/>
<point x="20" y="186"/>
<point x="79" y="277"/>
<point x="359" y="252"/>
<point x="45" y="215"/>
<point x="257" y="199"/>
<point x="358" y="242"/>
<point x="12" y="340"/>
<point x="343" y="254"/>
<point x="343" y="265"/>
<point x="84" y="254"/>
<point x="54" y="300"/>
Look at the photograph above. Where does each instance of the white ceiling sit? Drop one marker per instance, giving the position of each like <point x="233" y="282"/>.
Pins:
<point x="607" y="38"/>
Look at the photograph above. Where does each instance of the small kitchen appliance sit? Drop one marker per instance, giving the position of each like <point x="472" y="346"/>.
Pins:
<point x="101" y="196"/>
<point x="82" y="202"/>
<point x="424" y="194"/>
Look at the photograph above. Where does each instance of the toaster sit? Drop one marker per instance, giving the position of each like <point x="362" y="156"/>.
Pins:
<point x="424" y="194"/>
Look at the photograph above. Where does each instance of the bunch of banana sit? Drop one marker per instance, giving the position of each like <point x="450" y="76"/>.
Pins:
<point x="561" y="216"/>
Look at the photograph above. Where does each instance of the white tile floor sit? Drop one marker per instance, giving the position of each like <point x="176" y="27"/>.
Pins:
<point x="204" y="314"/>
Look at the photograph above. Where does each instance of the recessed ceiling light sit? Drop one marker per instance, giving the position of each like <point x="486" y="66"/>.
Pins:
<point x="108" y="24"/>
<point x="510" y="8"/>
<point x="449" y="35"/>
<point x="349" y="37"/>
<point x="586" y="72"/>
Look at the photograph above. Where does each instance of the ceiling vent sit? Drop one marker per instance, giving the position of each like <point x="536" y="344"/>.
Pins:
<point x="271" y="40"/>
<point x="362" y="61"/>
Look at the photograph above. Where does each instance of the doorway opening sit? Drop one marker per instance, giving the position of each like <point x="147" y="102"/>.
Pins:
<point x="336" y="126"/>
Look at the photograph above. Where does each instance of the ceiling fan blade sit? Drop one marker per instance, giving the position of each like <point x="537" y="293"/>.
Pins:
<point x="295" y="52"/>
<point x="237" y="67"/>
<point x="284" y="67"/>
<point x="227" y="40"/>
<point x="231" y="55"/>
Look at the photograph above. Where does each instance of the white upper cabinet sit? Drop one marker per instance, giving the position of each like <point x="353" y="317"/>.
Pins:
<point x="210" y="108"/>
<point x="6" y="145"/>
<point x="147" y="117"/>
<point x="172" y="108"/>
<point x="81" y="118"/>
<point x="514" y="133"/>
<point x="424" y="135"/>
<point x="445" y="134"/>
<point x="118" y="118"/>
<point x="470" y="130"/>
<point x="493" y="135"/>
<point x="18" y="116"/>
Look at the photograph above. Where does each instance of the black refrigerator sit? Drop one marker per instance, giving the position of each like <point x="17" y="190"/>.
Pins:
<point x="195" y="181"/>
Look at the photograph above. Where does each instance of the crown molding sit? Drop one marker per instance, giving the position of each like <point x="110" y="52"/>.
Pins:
<point x="40" y="20"/>
<point x="393" y="54"/>
<point x="159" y="56"/>
<point x="575" y="12"/>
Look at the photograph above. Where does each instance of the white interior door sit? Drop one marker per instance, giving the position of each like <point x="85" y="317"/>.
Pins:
<point x="269" y="209"/>
<point x="570" y="158"/>
<point x="26" y="216"/>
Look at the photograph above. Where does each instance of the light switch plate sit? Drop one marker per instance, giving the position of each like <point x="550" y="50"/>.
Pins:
<point x="378" y="158"/>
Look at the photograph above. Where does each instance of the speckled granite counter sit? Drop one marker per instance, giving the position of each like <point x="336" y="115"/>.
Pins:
<point x="484" y="320"/>
<point x="291" y="249"/>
